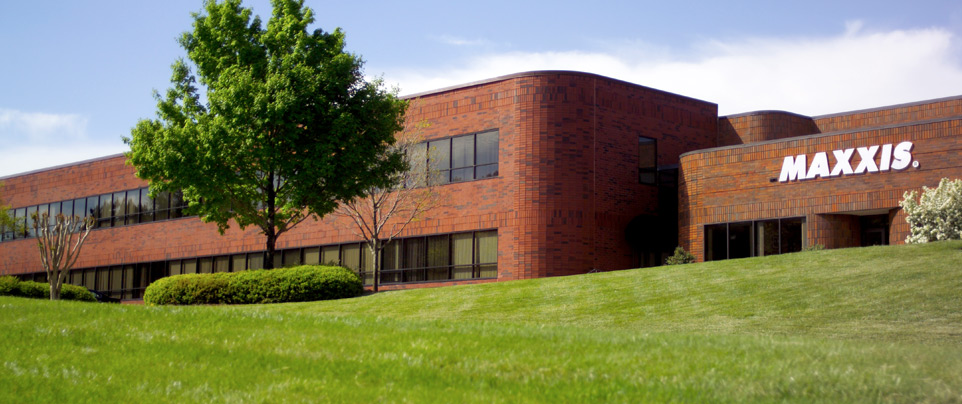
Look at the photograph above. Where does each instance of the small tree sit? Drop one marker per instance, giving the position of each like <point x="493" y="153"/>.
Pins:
<point x="936" y="214"/>
<point x="285" y="129"/>
<point x="60" y="243"/>
<point x="680" y="257"/>
<point x="382" y="213"/>
<point x="7" y="223"/>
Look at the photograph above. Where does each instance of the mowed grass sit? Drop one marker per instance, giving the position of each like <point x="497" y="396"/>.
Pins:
<point x="881" y="324"/>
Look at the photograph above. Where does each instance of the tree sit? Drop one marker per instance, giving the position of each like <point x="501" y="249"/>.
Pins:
<point x="382" y="213"/>
<point x="288" y="129"/>
<point x="937" y="215"/>
<point x="60" y="243"/>
<point x="7" y="223"/>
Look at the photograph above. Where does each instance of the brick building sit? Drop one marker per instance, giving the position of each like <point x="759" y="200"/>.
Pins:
<point x="545" y="174"/>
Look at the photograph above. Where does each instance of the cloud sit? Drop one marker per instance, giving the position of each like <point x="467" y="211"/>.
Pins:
<point x="39" y="126"/>
<point x="458" y="41"/>
<point x="854" y="69"/>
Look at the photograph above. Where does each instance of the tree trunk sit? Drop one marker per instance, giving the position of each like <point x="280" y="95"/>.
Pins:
<point x="269" y="256"/>
<point x="377" y="264"/>
<point x="54" y="289"/>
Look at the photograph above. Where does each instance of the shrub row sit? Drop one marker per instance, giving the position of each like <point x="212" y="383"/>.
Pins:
<point x="11" y="286"/>
<point x="295" y="284"/>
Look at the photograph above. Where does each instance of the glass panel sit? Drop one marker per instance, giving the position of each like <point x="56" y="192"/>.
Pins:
<point x="222" y="263"/>
<point x="90" y="275"/>
<point x="146" y="206"/>
<point x="278" y="259"/>
<point x="106" y="210"/>
<point x="463" y="255"/>
<point x="367" y="264"/>
<point x="206" y="265"/>
<point x="486" y="250"/>
<point x="439" y="257"/>
<point x="116" y="285"/>
<point x="76" y="277"/>
<point x="439" y="157"/>
<point x="157" y="270"/>
<point x="92" y="208"/>
<point x="292" y="258"/>
<point x="414" y="259"/>
<point x="739" y="240"/>
<point x="792" y="235"/>
<point x="647" y="160"/>
<point x="490" y="170"/>
<point x="102" y="278"/>
<point x="766" y="238"/>
<point x="255" y="261"/>
<point x="119" y="208"/>
<point x="487" y="148"/>
<point x="190" y="266"/>
<point x="239" y="262"/>
<point x="133" y="206"/>
<point x="462" y="174"/>
<point x="312" y="256"/>
<point x="462" y="151"/>
<point x="330" y="255"/>
<point x="391" y="260"/>
<point x="418" y="159"/>
<point x="66" y="208"/>
<point x="128" y="281"/>
<point x="351" y="256"/>
<point x="30" y="213"/>
<point x="716" y="242"/>
<point x="176" y="204"/>
<point x="53" y="212"/>
<point x="175" y="268"/>
<point x="162" y="206"/>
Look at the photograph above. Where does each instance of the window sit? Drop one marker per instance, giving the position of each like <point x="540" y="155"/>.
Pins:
<point x="462" y="158"/>
<point x="754" y="239"/>
<point x="647" y="160"/>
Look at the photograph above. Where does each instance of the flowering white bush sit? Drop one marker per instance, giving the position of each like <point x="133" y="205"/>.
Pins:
<point x="937" y="214"/>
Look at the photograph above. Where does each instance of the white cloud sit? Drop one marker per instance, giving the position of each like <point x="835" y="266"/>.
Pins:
<point x="39" y="126"/>
<point x="852" y="70"/>
<point x="458" y="41"/>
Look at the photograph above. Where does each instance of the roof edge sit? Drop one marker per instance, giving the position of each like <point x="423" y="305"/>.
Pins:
<point x="533" y="73"/>
<point x="65" y="165"/>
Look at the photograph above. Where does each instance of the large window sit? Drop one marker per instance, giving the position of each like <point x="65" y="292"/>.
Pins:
<point x="463" y="158"/>
<point x="108" y="210"/>
<point x="754" y="239"/>
<point x="647" y="160"/>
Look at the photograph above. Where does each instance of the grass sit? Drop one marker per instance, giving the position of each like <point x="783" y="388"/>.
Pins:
<point x="880" y="324"/>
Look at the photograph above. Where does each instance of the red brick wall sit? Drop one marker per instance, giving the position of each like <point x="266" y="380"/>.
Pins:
<point x="567" y="188"/>
<point x="735" y="183"/>
<point x="761" y="126"/>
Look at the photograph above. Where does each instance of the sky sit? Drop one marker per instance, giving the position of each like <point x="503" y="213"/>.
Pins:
<point x="75" y="77"/>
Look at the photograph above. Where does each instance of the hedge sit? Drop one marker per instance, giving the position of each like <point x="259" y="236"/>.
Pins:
<point x="294" y="284"/>
<point x="11" y="286"/>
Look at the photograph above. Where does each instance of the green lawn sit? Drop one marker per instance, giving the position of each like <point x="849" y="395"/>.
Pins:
<point x="881" y="324"/>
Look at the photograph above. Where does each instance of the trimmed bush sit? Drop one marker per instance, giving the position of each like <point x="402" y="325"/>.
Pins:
<point x="680" y="257"/>
<point x="295" y="284"/>
<point x="11" y="286"/>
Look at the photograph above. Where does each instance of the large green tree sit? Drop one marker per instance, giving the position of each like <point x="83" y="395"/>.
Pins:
<point x="287" y="127"/>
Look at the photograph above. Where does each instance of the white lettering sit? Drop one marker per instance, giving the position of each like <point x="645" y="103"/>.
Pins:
<point x="843" y="163"/>
<point x="898" y="157"/>
<point x="868" y="160"/>
<point x="819" y="166"/>
<point x="902" y="155"/>
<point x="886" y="157"/>
<point x="793" y="168"/>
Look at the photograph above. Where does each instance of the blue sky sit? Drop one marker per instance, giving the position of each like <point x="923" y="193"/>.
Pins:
<point x="76" y="76"/>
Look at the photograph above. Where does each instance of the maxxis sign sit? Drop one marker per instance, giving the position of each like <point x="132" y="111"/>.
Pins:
<point x="891" y="158"/>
